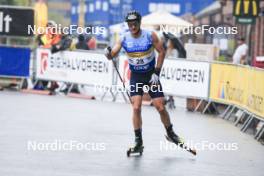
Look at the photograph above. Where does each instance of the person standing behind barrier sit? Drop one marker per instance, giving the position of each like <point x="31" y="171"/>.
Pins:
<point x="81" y="44"/>
<point x="91" y="43"/>
<point x="172" y="53"/>
<point x="240" y="54"/>
<point x="49" y="40"/>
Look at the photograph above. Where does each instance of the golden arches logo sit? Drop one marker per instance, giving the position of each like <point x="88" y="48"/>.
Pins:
<point x="245" y="5"/>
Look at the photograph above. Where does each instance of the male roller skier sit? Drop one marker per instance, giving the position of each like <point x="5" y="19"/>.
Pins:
<point x="139" y="46"/>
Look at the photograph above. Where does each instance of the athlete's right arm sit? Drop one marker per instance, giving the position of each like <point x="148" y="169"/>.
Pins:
<point x="113" y="52"/>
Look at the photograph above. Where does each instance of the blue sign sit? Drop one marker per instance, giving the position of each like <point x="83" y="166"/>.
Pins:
<point x="104" y="13"/>
<point x="108" y="12"/>
<point x="74" y="12"/>
<point x="14" y="62"/>
<point x="176" y="7"/>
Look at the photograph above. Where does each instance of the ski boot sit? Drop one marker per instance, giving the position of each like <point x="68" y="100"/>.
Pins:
<point x="174" y="138"/>
<point x="137" y="148"/>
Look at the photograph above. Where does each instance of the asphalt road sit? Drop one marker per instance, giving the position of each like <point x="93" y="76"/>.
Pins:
<point x="36" y="132"/>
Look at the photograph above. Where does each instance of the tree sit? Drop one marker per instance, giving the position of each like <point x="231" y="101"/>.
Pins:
<point x="16" y="2"/>
<point x="7" y="2"/>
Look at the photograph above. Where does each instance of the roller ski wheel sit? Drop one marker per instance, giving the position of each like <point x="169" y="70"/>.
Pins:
<point x="135" y="150"/>
<point x="180" y="143"/>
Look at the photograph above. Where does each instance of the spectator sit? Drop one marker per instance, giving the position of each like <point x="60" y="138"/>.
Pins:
<point x="240" y="54"/>
<point x="174" y="43"/>
<point x="174" y="49"/>
<point x="81" y="44"/>
<point x="171" y="51"/>
<point x="48" y="40"/>
<point x="51" y="38"/>
<point x="65" y="43"/>
<point x="91" y="42"/>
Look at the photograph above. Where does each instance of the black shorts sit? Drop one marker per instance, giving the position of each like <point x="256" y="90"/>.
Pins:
<point x="139" y="82"/>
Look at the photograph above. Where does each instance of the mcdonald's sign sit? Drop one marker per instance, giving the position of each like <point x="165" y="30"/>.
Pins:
<point x="246" y="8"/>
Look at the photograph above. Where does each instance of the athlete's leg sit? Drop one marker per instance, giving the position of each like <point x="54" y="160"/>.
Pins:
<point x="137" y="120"/>
<point x="159" y="104"/>
<point x="136" y="93"/>
<point x="156" y="93"/>
<point x="136" y="117"/>
<point x="165" y="118"/>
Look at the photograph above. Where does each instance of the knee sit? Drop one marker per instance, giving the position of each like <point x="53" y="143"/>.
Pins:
<point x="160" y="108"/>
<point x="136" y="108"/>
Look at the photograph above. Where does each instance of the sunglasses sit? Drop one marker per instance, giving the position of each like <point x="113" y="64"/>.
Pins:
<point x="133" y="23"/>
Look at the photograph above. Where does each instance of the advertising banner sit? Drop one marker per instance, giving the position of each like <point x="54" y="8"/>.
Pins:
<point x="255" y="97"/>
<point x="242" y="86"/>
<point x="185" y="78"/>
<point x="178" y="77"/>
<point x="14" y="62"/>
<point x="74" y="67"/>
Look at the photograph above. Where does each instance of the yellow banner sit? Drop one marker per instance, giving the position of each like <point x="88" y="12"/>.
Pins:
<point x="255" y="97"/>
<point x="238" y="85"/>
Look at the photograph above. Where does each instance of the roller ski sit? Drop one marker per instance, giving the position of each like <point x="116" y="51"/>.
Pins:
<point x="174" y="138"/>
<point x="137" y="148"/>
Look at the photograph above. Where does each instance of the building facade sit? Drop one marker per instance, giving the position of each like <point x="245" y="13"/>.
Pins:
<point x="109" y="12"/>
<point x="222" y="15"/>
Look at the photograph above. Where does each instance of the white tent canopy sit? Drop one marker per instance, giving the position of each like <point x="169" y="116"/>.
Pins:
<point x="153" y="20"/>
<point x="156" y="19"/>
<point x="118" y="28"/>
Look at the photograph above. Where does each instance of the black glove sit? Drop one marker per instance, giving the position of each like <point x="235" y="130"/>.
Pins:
<point x="107" y="52"/>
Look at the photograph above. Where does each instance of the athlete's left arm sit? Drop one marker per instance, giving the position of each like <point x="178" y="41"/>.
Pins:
<point x="158" y="46"/>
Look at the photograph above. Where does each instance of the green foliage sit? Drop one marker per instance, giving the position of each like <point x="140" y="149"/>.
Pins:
<point x="222" y="59"/>
<point x="7" y="2"/>
<point x="16" y="2"/>
<point x="23" y="2"/>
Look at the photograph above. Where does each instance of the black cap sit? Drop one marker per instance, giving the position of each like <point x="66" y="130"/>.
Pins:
<point x="133" y="16"/>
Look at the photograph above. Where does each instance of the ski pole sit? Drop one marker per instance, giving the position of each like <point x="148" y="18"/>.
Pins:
<point x="119" y="75"/>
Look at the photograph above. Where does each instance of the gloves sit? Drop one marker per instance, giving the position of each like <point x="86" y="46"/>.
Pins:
<point x="155" y="76"/>
<point x="107" y="52"/>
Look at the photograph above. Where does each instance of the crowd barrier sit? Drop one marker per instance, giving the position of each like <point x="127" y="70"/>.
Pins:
<point x="73" y="67"/>
<point x="178" y="77"/>
<point x="239" y="87"/>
